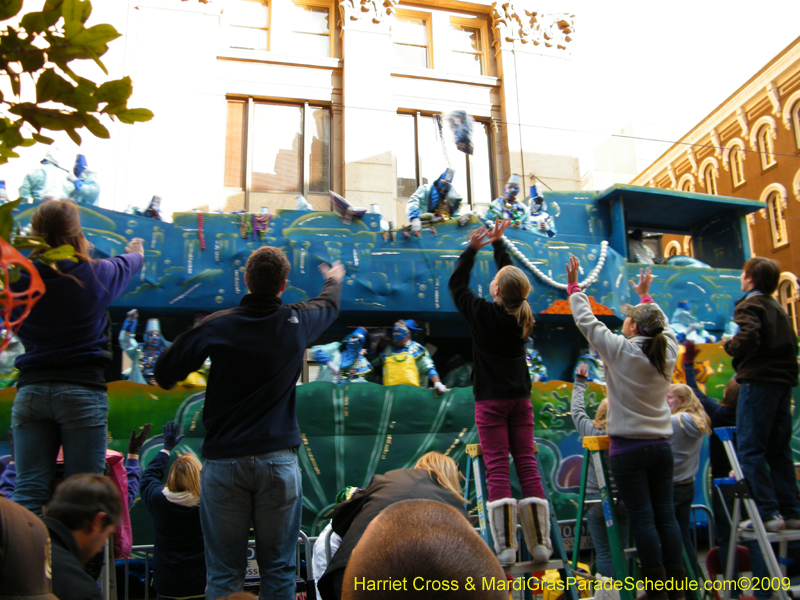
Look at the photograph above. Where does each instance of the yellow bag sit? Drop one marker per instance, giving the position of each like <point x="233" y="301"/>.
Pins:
<point x="400" y="368"/>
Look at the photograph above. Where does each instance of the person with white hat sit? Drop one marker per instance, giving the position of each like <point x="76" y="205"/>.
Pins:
<point x="143" y="355"/>
<point x="47" y="182"/>
<point x="508" y="206"/>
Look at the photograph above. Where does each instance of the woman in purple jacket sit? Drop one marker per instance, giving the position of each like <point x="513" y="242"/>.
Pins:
<point x="61" y="394"/>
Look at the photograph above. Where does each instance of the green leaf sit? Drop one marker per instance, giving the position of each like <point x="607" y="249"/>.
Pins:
<point x="33" y="60"/>
<point x="117" y="91"/>
<point x="6" y="223"/>
<point x="76" y="10"/>
<point x="51" y="86"/>
<point x="9" y="8"/>
<point x="96" y="127"/>
<point x="133" y="115"/>
<point x="42" y="139"/>
<point x="27" y="142"/>
<point x="73" y="135"/>
<point x="36" y="22"/>
<point x="60" y="253"/>
<point x="24" y="242"/>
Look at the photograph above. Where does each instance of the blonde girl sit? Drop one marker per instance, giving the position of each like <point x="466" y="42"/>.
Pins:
<point x="502" y="388"/>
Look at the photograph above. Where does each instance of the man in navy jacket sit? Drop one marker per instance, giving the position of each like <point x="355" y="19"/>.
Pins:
<point x="250" y="471"/>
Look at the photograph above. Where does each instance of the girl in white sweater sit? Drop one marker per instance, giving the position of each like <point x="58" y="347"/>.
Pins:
<point x="638" y="368"/>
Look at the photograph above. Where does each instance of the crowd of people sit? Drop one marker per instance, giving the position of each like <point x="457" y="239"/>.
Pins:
<point x="402" y="523"/>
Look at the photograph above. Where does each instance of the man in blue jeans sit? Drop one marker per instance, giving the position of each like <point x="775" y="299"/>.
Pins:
<point x="250" y="472"/>
<point x="764" y="355"/>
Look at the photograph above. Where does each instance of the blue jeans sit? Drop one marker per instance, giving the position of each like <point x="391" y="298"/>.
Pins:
<point x="265" y="490"/>
<point x="596" y="521"/>
<point x="644" y="482"/>
<point x="683" y="495"/>
<point x="764" y="430"/>
<point x="46" y="416"/>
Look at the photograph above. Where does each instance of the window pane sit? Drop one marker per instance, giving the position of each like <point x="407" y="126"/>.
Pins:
<point x="235" y="144"/>
<point x="247" y="37"/>
<point x="320" y="158"/>
<point x="277" y="148"/>
<point x="405" y="156"/>
<point x="311" y="44"/>
<point x="480" y="166"/>
<point x="408" y="30"/>
<point x="310" y="19"/>
<point x="467" y="64"/>
<point x="465" y="39"/>
<point x="411" y="56"/>
<point x="252" y="13"/>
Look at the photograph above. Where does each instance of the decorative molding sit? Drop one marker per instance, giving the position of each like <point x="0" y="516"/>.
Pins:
<point x="692" y="184"/>
<point x="774" y="97"/>
<point x="365" y="12"/>
<point x="701" y="172"/>
<point x="796" y="186"/>
<point x="652" y="183"/>
<point x="511" y="24"/>
<point x="766" y="120"/>
<point x="726" y="154"/>
<point x="692" y="160"/>
<point x="671" y="173"/>
<point x="774" y="187"/>
<point x="741" y="116"/>
<point x="716" y="143"/>
<point x="787" y="109"/>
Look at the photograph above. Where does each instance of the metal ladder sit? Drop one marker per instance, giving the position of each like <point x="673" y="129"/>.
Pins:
<point x="765" y="539"/>
<point x="476" y="465"/>
<point x="593" y="447"/>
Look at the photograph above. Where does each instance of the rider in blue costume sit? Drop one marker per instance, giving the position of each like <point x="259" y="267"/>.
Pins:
<point x="344" y="362"/>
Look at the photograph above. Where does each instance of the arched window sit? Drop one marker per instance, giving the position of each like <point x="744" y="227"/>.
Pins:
<point x="788" y="297"/>
<point x="710" y="179"/>
<point x="777" y="218"/>
<point x="686" y="183"/>
<point x="737" y="166"/>
<point x="673" y="249"/>
<point x="765" y="146"/>
<point x="796" y="123"/>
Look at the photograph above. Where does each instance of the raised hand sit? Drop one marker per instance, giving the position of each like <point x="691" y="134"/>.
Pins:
<point x="335" y="271"/>
<point x="171" y="437"/>
<point x="583" y="369"/>
<point x="645" y="279"/>
<point x="573" y="269"/>
<point x="137" y="441"/>
<point x="496" y="233"/>
<point x="135" y="246"/>
<point x="477" y="238"/>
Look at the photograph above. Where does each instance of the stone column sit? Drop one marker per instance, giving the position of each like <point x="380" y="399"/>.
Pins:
<point x="368" y="107"/>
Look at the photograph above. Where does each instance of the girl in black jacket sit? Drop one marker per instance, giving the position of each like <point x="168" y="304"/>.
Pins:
<point x="502" y="388"/>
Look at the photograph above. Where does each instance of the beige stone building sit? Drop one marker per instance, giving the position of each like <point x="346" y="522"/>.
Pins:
<point x="259" y="101"/>
<point x="748" y="147"/>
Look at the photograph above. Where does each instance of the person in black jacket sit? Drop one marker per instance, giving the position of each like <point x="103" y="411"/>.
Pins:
<point x="765" y="359"/>
<point x="250" y="469"/>
<point x="502" y="388"/>
<point x="179" y="565"/>
<point x="434" y="477"/>
<point x="85" y="510"/>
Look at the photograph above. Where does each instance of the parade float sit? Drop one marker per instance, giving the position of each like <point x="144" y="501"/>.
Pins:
<point x="350" y="432"/>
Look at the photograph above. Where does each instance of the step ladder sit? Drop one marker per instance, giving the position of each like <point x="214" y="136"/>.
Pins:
<point x="593" y="456"/>
<point x="476" y="465"/>
<point x="760" y="533"/>
<point x="593" y="448"/>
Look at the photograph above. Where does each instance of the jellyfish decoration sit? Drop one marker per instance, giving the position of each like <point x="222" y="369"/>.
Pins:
<point x="461" y="124"/>
<point x="10" y="258"/>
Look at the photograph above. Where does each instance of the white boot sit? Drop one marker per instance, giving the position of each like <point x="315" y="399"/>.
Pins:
<point x="534" y="516"/>
<point x="503" y="525"/>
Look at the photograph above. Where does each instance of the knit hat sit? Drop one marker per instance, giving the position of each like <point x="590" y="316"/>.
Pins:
<point x="648" y="317"/>
<point x="25" y="560"/>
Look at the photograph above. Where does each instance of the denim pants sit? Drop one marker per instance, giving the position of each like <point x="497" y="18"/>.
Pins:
<point x="596" y="521"/>
<point x="644" y="482"/>
<point x="265" y="490"/>
<point x="764" y="430"/>
<point x="46" y="416"/>
<point x="683" y="495"/>
<point x="505" y="425"/>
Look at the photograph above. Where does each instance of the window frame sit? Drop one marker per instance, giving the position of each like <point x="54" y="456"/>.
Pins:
<point x="790" y="303"/>
<point x="467" y="198"/>
<point x="331" y="21"/>
<point x="795" y="112"/>
<point x="736" y="158"/>
<point x="686" y="178"/>
<point x="267" y="29"/>
<point x="775" y="201"/>
<point x="417" y="14"/>
<point x="249" y="119"/>
<point x="766" y="150"/>
<point x="481" y="26"/>
<point x="709" y="169"/>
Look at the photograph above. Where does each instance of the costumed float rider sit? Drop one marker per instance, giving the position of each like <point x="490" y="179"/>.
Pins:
<point x="47" y="182"/>
<point x="687" y="327"/>
<point x="542" y="222"/>
<point x="343" y="362"/>
<point x="406" y="361"/>
<point x="143" y="356"/>
<point x="9" y="374"/>
<point x="508" y="207"/>
<point x="435" y="201"/>
<point x="87" y="189"/>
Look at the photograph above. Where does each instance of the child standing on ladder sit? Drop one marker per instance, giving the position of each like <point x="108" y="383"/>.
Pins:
<point x="502" y="388"/>
<point x="765" y="359"/>
<point x="638" y="369"/>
